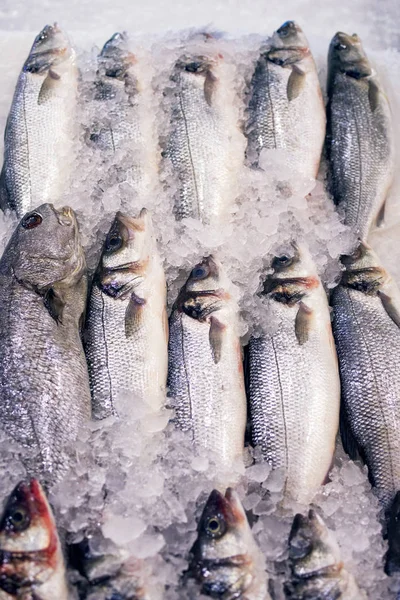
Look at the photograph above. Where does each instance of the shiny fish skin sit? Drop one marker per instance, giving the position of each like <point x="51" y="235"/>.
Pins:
<point x="205" y="375"/>
<point x="317" y="571"/>
<point x="127" y="326"/>
<point x="31" y="558"/>
<point x="205" y="145"/>
<point x="225" y="558"/>
<point x="294" y="386"/>
<point x="366" y="319"/>
<point x="360" y="141"/>
<point x="286" y="110"/>
<point x="39" y="134"/>
<point x="44" y="384"/>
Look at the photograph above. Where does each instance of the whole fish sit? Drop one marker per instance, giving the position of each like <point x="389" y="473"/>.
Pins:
<point x="225" y="558"/>
<point x="360" y="141"/>
<point x="31" y="558"/>
<point x="205" y="146"/>
<point x="127" y="326"/>
<point x="205" y="376"/>
<point x="38" y="140"/>
<point x="366" y="321"/>
<point x="286" y="110"/>
<point x="44" y="383"/>
<point x="294" y="387"/>
<point x="317" y="571"/>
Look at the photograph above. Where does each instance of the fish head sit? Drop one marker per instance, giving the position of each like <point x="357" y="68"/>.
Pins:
<point x="197" y="71"/>
<point x="312" y="547"/>
<point x="45" y="248"/>
<point x="50" y="48"/>
<point x="346" y="55"/>
<point x="393" y="533"/>
<point x="363" y="270"/>
<point x="115" y="64"/>
<point x="29" y="544"/>
<point x="293" y="271"/>
<point x="220" y="555"/>
<point x="289" y="35"/>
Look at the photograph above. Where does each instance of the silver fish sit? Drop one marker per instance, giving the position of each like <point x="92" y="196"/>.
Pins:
<point x="286" y="110"/>
<point x="44" y="384"/>
<point x="31" y="558"/>
<point x="127" y="326"/>
<point x="317" y="571"/>
<point x="366" y="321"/>
<point x="38" y="140"/>
<point x="205" y="145"/>
<point x="360" y="141"/>
<point x="225" y="557"/>
<point x="205" y="376"/>
<point x="294" y="384"/>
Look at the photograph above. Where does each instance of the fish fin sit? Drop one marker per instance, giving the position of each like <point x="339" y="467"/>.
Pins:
<point x="390" y="308"/>
<point x="295" y="84"/>
<point x="165" y="325"/>
<point x="48" y="85"/>
<point x="349" y="443"/>
<point x="373" y="94"/>
<point x="215" y="337"/>
<point x="303" y="323"/>
<point x="54" y="304"/>
<point x="133" y="315"/>
<point x="381" y="215"/>
<point x="209" y="85"/>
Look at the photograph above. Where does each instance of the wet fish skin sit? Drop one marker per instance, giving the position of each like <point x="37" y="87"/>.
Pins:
<point x="392" y="564"/>
<point x="205" y="374"/>
<point x="127" y="325"/>
<point x="225" y="558"/>
<point x="286" y="109"/>
<point x="44" y="385"/>
<point x="360" y="140"/>
<point x="31" y="558"/>
<point x="366" y="320"/>
<point x="204" y="144"/>
<point x="40" y="127"/>
<point x="294" y="388"/>
<point x="315" y="563"/>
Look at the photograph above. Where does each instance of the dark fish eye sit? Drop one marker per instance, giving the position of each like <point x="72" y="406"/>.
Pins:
<point x="200" y="272"/>
<point x="31" y="221"/>
<point x="194" y="67"/>
<point x="340" y="46"/>
<point x="18" y="519"/>
<point x="286" y="29"/>
<point x="114" y="242"/>
<point x="213" y="526"/>
<point x="282" y="261"/>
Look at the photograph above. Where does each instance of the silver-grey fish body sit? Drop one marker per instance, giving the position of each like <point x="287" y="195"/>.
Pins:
<point x="205" y="145"/>
<point x="44" y="384"/>
<point x="38" y="144"/>
<point x="360" y="144"/>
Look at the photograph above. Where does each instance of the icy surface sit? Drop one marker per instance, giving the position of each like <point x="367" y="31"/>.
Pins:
<point x="137" y="487"/>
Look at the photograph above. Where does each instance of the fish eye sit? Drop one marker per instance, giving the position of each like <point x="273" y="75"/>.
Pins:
<point x="18" y="519"/>
<point x="194" y="67"/>
<point x="200" y="272"/>
<point x="340" y="46"/>
<point x="114" y="242"/>
<point x="282" y="261"/>
<point x="286" y="29"/>
<point x="214" y="526"/>
<point x="31" y="221"/>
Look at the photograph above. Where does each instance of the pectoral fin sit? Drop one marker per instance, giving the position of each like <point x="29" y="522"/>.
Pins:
<point x="349" y="442"/>
<point x="390" y="308"/>
<point x="48" y="86"/>
<point x="134" y="315"/>
<point x="295" y="84"/>
<point x="216" y="336"/>
<point x="55" y="305"/>
<point x="303" y="323"/>
<point x="209" y="86"/>
<point x="373" y="94"/>
<point x="381" y="215"/>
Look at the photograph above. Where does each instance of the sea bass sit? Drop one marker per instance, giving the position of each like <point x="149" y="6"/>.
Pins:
<point x="44" y="383"/>
<point x="360" y="141"/>
<point x="205" y="145"/>
<point x="127" y="326"/>
<point x="225" y="558"/>
<point x="317" y="571"/>
<point x="38" y="140"/>
<point x="205" y="376"/>
<point x="286" y="110"/>
<point x="366" y="321"/>
<point x="31" y="558"/>
<point x="294" y="386"/>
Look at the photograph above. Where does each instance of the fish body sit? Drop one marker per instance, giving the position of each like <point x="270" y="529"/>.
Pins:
<point x="31" y="559"/>
<point x="39" y="134"/>
<point x="44" y="384"/>
<point x="205" y="375"/>
<point x="294" y="387"/>
<point x="225" y="558"/>
<point x="286" y="111"/>
<point x="360" y="140"/>
<point x="317" y="571"/>
<point x="366" y="320"/>
<point x="205" y="145"/>
<point x="127" y="326"/>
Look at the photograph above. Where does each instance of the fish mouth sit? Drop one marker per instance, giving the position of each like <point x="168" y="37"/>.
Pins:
<point x="132" y="224"/>
<point x="50" y="48"/>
